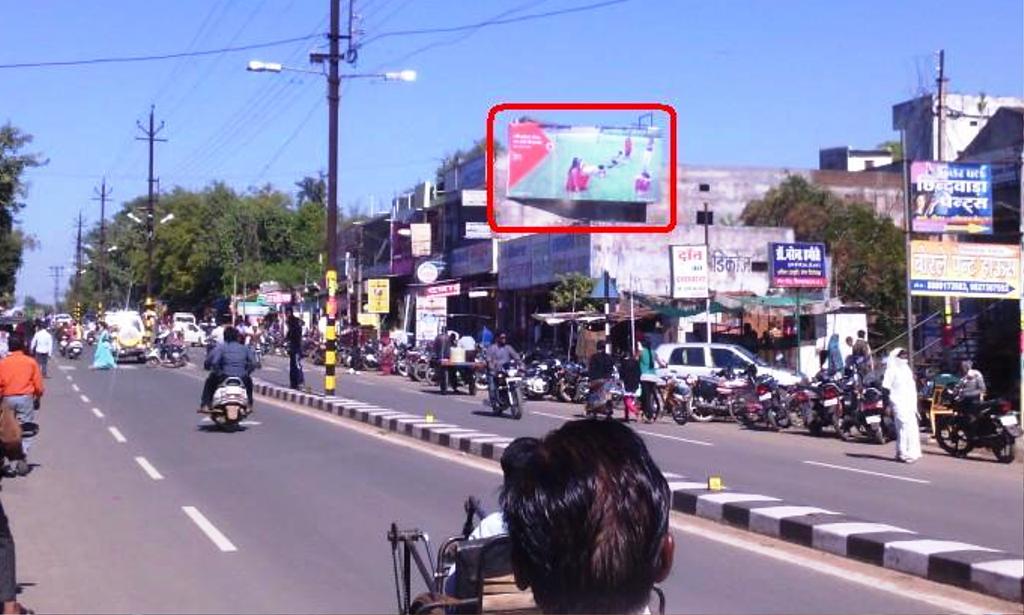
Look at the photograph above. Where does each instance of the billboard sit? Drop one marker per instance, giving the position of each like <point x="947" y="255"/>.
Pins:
<point x="420" y="238"/>
<point x="689" y="266"/>
<point x="951" y="197"/>
<point x="591" y="163"/>
<point x="985" y="270"/>
<point x="797" y="265"/>
<point x="378" y="296"/>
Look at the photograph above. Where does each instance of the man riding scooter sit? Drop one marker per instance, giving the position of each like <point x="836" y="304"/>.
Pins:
<point x="228" y="360"/>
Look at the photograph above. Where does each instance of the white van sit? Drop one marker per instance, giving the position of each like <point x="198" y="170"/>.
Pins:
<point x="181" y="320"/>
<point x="697" y="359"/>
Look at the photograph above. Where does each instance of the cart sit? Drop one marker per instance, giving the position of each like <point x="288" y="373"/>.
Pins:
<point x="467" y="369"/>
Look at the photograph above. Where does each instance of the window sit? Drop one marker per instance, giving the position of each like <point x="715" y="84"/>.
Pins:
<point x="869" y="164"/>
<point x="693" y="357"/>
<point x="723" y="358"/>
<point x="759" y="266"/>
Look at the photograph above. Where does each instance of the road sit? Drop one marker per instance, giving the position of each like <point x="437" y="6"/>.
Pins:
<point x="136" y="505"/>
<point x="856" y="478"/>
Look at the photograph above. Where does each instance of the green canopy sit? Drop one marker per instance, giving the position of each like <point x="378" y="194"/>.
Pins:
<point x="664" y="309"/>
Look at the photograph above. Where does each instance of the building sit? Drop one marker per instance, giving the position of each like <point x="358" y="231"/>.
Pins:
<point x="965" y="117"/>
<point x="846" y="159"/>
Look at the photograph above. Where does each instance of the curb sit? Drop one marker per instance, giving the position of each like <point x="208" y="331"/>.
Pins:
<point x="972" y="567"/>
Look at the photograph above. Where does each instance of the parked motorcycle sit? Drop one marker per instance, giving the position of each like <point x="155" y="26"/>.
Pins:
<point x="677" y="399"/>
<point x="540" y="379"/>
<point x="991" y="424"/>
<point x="573" y="383"/>
<point x="230" y="404"/>
<point x="819" y="402"/>
<point x="770" y="407"/>
<point x="720" y="395"/>
<point x="508" y="391"/>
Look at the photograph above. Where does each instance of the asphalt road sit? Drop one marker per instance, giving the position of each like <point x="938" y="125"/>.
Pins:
<point x="939" y="496"/>
<point x="295" y="507"/>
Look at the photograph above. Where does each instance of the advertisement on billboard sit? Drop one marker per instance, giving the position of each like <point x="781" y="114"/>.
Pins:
<point x="593" y="163"/>
<point x="797" y="265"/>
<point x="951" y="197"/>
<point x="420" y="238"/>
<point x="983" y="270"/>
<point x="689" y="265"/>
<point x="478" y="230"/>
<point x="378" y="296"/>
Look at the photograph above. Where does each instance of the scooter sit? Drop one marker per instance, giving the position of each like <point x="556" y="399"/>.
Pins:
<point x="230" y="404"/>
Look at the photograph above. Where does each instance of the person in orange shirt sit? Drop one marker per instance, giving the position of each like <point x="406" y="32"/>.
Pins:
<point x="21" y="385"/>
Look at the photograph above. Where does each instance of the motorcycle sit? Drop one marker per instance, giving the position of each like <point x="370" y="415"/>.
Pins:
<point x="856" y="412"/>
<point x="604" y="397"/>
<point x="720" y="395"/>
<point x="73" y="349"/>
<point x="771" y="406"/>
<point x="508" y="390"/>
<point x="230" y="404"/>
<point x="539" y="379"/>
<point x="819" y="402"/>
<point x="677" y="399"/>
<point x="573" y="383"/>
<point x="167" y="355"/>
<point x="991" y="424"/>
<point x="875" y="418"/>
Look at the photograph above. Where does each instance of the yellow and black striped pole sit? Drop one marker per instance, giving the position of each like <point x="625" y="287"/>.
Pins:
<point x="331" y="354"/>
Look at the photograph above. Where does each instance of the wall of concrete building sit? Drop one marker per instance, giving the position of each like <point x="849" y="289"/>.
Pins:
<point x="966" y="115"/>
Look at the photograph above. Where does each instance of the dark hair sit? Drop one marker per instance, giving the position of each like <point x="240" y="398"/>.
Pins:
<point x="230" y="334"/>
<point x="16" y="342"/>
<point x="587" y="513"/>
<point x="861" y="334"/>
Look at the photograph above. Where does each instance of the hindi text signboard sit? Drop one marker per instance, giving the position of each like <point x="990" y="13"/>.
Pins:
<point x="951" y="197"/>
<point x="689" y="265"/>
<point x="983" y="270"/>
<point x="797" y="265"/>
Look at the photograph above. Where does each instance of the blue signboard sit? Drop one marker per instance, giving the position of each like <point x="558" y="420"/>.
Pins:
<point x="797" y="265"/>
<point x="951" y="197"/>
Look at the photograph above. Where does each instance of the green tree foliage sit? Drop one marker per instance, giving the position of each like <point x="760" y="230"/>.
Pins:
<point x="312" y="190"/>
<point x="867" y="250"/>
<point x="13" y="188"/>
<point x="218" y="240"/>
<point x="574" y="289"/>
<point x="893" y="147"/>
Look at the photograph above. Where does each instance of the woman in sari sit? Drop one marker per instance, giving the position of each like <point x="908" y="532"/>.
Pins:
<point x="104" y="356"/>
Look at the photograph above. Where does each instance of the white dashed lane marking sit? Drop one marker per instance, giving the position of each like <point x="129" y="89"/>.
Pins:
<point x="209" y="529"/>
<point x="114" y="431"/>
<point x="74" y="387"/>
<point x="85" y="399"/>
<point x="859" y="471"/>
<point x="148" y="468"/>
<point x="97" y="412"/>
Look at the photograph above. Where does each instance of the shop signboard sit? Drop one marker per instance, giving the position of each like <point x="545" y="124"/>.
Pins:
<point x="450" y="289"/>
<point x="689" y="266"/>
<point x="478" y="230"/>
<point x="378" y="295"/>
<point x="982" y="270"/>
<point x="950" y="197"/>
<point x="431" y="314"/>
<point x="420" y="238"/>
<point x="797" y="265"/>
<point x="474" y="198"/>
<point x="427" y="272"/>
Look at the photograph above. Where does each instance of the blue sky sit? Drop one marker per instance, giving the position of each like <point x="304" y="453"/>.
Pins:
<point x="754" y="82"/>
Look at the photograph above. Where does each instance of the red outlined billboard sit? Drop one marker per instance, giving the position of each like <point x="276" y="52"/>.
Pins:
<point x="620" y="228"/>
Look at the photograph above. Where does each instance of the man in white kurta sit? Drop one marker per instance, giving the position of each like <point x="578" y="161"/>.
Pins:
<point x="903" y="394"/>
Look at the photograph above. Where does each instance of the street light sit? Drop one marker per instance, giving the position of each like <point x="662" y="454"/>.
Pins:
<point x="402" y="75"/>
<point x="166" y="218"/>
<point x="264" y="67"/>
<point x="134" y="218"/>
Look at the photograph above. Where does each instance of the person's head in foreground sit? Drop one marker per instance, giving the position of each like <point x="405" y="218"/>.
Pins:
<point x="587" y="514"/>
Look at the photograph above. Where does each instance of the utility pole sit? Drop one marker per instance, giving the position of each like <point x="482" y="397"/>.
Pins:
<point x="333" y="58"/>
<point x="56" y="272"/>
<point x="707" y="250"/>
<point x="150" y="136"/>
<point x="78" y="271"/>
<point x="947" y="302"/>
<point x="101" y="195"/>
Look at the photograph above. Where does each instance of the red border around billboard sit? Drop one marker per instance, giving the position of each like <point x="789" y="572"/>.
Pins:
<point x="558" y="106"/>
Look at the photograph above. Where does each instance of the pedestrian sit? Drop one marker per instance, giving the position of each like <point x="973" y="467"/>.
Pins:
<point x="861" y="350"/>
<point x="630" y="373"/>
<point x="903" y="394"/>
<point x="294" y="336"/>
<point x="648" y="377"/>
<point x="8" y="573"/>
<point x="835" y="356"/>
<point x="103" y="356"/>
<point x="21" y="386"/>
<point x="42" y="346"/>
<point x="4" y="337"/>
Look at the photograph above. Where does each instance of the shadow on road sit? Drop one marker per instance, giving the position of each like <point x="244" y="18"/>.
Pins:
<point x="211" y="428"/>
<point x="873" y="456"/>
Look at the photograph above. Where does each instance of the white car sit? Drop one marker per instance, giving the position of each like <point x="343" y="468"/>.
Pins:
<point x="191" y="334"/>
<point x="696" y="359"/>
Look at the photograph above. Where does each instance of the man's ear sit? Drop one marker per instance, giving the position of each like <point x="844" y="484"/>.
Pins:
<point x="666" y="554"/>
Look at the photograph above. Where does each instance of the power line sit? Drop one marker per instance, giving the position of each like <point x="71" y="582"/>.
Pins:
<point x="167" y="56"/>
<point x="494" y="21"/>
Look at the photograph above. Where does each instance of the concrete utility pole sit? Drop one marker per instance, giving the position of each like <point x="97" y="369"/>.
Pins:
<point x="150" y="136"/>
<point x="333" y="58"/>
<point x="56" y="272"/>
<point x="947" y="302"/>
<point x="101" y="195"/>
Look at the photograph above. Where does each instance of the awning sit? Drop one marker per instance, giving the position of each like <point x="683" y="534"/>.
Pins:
<point x="557" y="318"/>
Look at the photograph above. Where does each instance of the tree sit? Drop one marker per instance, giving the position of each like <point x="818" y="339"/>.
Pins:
<point x="312" y="190"/>
<point x="893" y="147"/>
<point x="13" y="188"/>
<point x="573" y="292"/>
<point x="867" y="250"/>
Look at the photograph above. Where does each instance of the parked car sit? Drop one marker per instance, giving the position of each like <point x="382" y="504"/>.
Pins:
<point x="697" y="359"/>
<point x="191" y="334"/>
